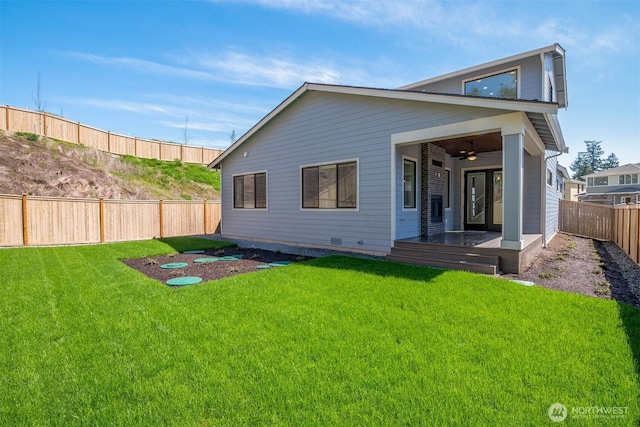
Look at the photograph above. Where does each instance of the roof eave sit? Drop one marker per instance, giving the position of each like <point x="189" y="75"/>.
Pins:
<point x="552" y="48"/>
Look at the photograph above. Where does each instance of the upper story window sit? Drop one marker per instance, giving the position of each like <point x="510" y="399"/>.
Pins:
<point x="502" y="85"/>
<point x="330" y="186"/>
<point x="630" y="178"/>
<point x="250" y="191"/>
<point x="600" y="180"/>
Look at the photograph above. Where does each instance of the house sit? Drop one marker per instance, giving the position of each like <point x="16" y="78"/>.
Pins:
<point x="613" y="186"/>
<point x="573" y="188"/>
<point x="449" y="171"/>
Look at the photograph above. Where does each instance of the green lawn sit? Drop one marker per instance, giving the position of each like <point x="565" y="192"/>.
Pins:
<point x="85" y="340"/>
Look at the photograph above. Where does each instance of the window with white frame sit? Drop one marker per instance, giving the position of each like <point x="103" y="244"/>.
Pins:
<point x="500" y="85"/>
<point x="250" y="191"/>
<point x="330" y="186"/>
<point x="409" y="183"/>
<point x="549" y="177"/>
<point x="630" y="178"/>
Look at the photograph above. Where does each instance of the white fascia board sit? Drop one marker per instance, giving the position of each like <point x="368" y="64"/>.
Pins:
<point x="476" y="68"/>
<point x="554" y="126"/>
<point x="441" y="98"/>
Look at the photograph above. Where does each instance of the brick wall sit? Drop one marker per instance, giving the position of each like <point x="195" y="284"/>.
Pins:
<point x="432" y="183"/>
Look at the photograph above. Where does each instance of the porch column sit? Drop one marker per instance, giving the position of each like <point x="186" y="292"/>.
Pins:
<point x="512" y="169"/>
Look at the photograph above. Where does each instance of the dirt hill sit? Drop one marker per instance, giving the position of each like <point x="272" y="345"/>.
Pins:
<point x="44" y="167"/>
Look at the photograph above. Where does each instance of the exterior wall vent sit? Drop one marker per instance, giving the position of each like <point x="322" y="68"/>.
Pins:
<point x="336" y="241"/>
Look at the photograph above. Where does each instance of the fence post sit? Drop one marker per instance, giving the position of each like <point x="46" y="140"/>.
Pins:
<point x="109" y="141"/>
<point x="101" y="220"/>
<point x="205" y="216"/>
<point x="78" y="132"/>
<point x="202" y="155"/>
<point x="25" y="221"/>
<point x="44" y="123"/>
<point x="135" y="146"/>
<point x="7" y="117"/>
<point x="161" y="221"/>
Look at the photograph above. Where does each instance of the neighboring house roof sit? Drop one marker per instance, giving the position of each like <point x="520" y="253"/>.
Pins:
<point x="563" y="171"/>
<point x="575" y="181"/>
<point x="560" y="73"/>
<point x="620" y="170"/>
<point x="543" y="115"/>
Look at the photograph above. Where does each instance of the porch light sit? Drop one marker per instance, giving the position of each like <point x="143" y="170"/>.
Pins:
<point x="471" y="156"/>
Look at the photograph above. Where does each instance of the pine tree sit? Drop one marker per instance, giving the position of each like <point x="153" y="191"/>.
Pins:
<point x="591" y="161"/>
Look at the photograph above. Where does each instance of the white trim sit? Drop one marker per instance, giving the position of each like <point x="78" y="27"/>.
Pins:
<point x="516" y="105"/>
<point x="393" y="194"/>
<point x="417" y="193"/>
<point x="476" y="68"/>
<point x="233" y="191"/>
<point x="517" y="69"/>
<point x="334" y="210"/>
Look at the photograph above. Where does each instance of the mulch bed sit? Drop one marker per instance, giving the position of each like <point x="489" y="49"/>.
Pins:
<point x="251" y="259"/>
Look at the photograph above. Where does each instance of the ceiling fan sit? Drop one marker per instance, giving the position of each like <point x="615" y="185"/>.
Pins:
<point x="468" y="155"/>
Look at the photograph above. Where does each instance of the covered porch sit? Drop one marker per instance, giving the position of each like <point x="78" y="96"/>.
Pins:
<point x="481" y="196"/>
<point x="477" y="251"/>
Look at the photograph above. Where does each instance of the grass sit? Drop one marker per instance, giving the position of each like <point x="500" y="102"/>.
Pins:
<point x="85" y="340"/>
<point x="171" y="173"/>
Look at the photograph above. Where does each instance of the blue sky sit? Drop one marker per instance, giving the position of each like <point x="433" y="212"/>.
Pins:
<point x="141" y="68"/>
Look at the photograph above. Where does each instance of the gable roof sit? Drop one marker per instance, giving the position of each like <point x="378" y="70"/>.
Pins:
<point x="624" y="169"/>
<point x="555" y="50"/>
<point x="541" y="114"/>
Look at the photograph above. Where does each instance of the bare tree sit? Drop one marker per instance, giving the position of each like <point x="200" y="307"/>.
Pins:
<point x="185" y="131"/>
<point x="39" y="101"/>
<point x="232" y="137"/>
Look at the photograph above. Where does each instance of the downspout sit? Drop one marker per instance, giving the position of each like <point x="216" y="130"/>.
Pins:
<point x="544" y="199"/>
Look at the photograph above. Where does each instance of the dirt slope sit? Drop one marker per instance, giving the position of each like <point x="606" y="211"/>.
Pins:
<point x="43" y="167"/>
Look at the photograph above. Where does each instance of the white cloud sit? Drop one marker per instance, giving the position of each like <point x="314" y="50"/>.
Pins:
<point x="120" y="105"/>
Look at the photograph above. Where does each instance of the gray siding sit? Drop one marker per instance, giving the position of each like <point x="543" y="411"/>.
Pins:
<point x="531" y="77"/>
<point x="553" y="197"/>
<point x="324" y="127"/>
<point x="407" y="221"/>
<point x="533" y="176"/>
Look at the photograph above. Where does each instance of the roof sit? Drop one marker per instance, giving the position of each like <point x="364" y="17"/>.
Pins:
<point x="563" y="171"/>
<point x="541" y="114"/>
<point x="624" y="169"/>
<point x="556" y="50"/>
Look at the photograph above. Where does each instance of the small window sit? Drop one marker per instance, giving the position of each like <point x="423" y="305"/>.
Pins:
<point x="250" y="191"/>
<point x="634" y="178"/>
<point x="549" y="178"/>
<point x="409" y="184"/>
<point x="502" y="85"/>
<point x="590" y="182"/>
<point x="330" y="186"/>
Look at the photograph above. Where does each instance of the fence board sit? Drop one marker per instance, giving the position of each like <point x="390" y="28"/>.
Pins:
<point x="11" y="221"/>
<point x="183" y="218"/>
<point x="131" y="220"/>
<point x="63" y="129"/>
<point x="63" y="221"/>
<point x="170" y="152"/>
<point x="19" y="120"/>
<point x="3" y="117"/>
<point x="620" y="224"/>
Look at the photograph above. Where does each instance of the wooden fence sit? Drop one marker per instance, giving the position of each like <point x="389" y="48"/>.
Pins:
<point x="32" y="221"/>
<point x="620" y="224"/>
<point x="43" y="124"/>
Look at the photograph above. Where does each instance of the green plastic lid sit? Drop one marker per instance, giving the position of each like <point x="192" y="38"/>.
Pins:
<point x="263" y="266"/>
<point x="205" y="260"/>
<point x="175" y="265"/>
<point x="280" y="263"/>
<point x="197" y="251"/>
<point x="183" y="281"/>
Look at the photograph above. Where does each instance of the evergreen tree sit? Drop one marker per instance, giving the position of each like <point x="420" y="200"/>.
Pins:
<point x="611" y="162"/>
<point x="591" y="161"/>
